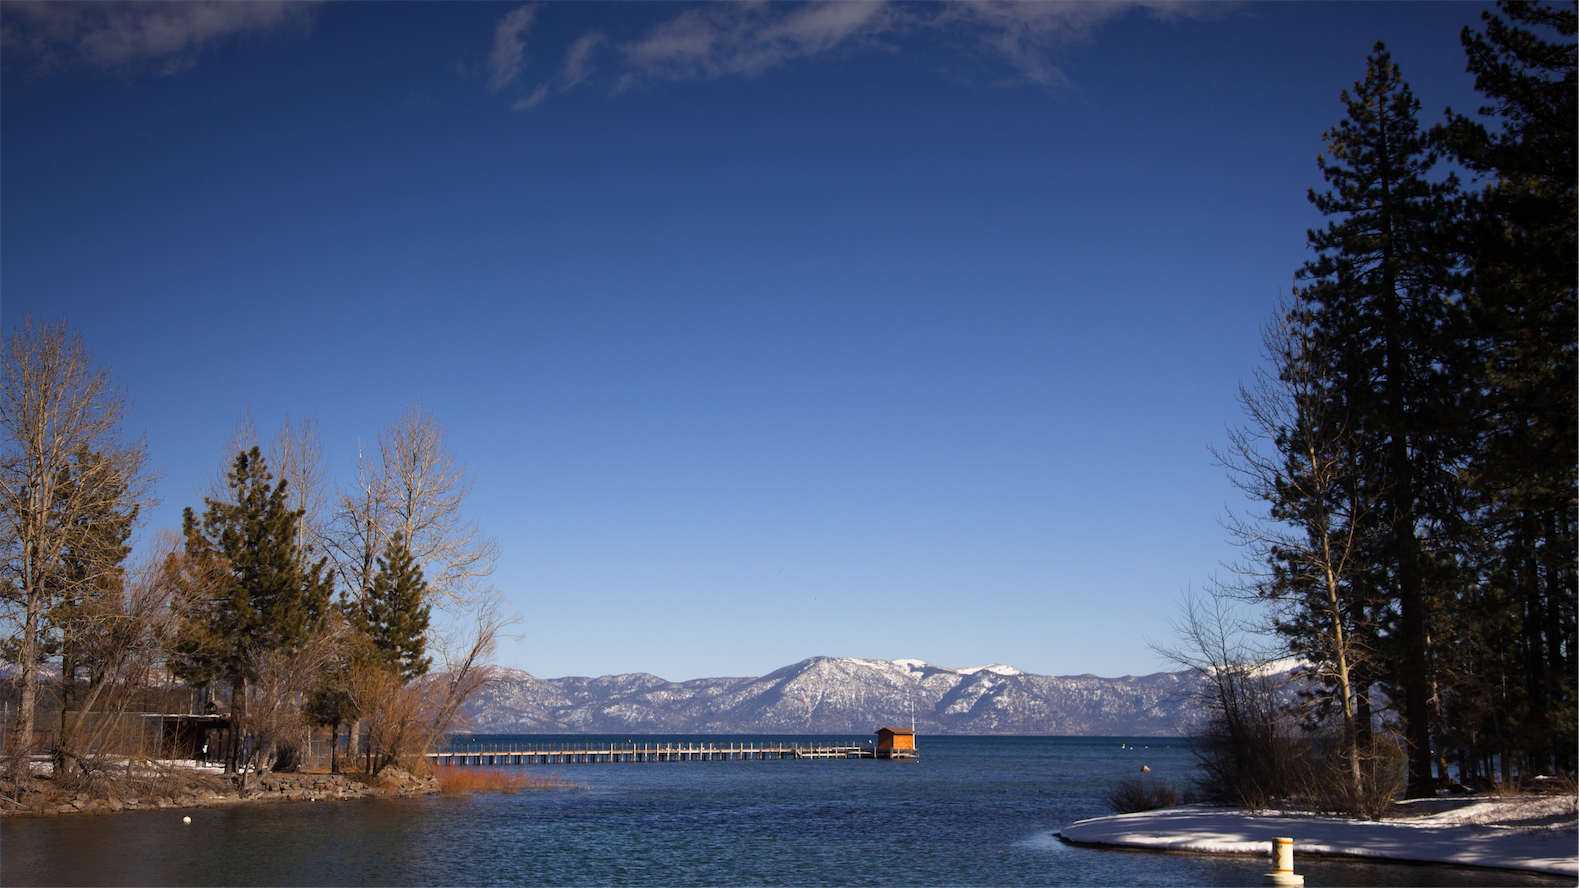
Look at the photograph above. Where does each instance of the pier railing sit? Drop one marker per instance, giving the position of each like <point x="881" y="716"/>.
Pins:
<point x="588" y="753"/>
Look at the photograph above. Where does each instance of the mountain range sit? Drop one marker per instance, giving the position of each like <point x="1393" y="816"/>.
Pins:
<point x="837" y="695"/>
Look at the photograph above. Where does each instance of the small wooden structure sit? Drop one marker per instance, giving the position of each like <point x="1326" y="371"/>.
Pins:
<point x="896" y="743"/>
<point x="196" y="737"/>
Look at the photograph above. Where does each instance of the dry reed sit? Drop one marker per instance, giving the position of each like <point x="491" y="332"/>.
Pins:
<point x="455" y="780"/>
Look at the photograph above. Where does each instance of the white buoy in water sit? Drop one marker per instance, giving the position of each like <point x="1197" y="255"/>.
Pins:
<point x="186" y="820"/>
<point x="1282" y="874"/>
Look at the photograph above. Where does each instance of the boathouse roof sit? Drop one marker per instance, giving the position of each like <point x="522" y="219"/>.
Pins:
<point x="894" y="731"/>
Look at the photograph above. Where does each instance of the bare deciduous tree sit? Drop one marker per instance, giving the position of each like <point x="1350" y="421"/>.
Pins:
<point x="121" y="637"/>
<point x="242" y="438"/>
<point x="1297" y="457"/>
<point x="415" y="486"/>
<point x="297" y="457"/>
<point x="275" y="716"/>
<point x="394" y="712"/>
<point x="62" y="463"/>
<point x="464" y="655"/>
<point x="1242" y="741"/>
<point x="359" y="526"/>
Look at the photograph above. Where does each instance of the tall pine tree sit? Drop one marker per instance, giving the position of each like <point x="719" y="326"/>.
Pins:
<point x="1518" y="237"/>
<point x="393" y="614"/>
<point x="269" y="601"/>
<point x="1377" y="293"/>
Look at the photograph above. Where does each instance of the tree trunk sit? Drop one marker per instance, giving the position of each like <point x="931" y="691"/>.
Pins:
<point x="1417" y="684"/>
<point x="1562" y="757"/>
<point x="26" y="713"/>
<point x="238" y="710"/>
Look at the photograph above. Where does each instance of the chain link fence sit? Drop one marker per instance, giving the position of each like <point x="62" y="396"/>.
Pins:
<point x="154" y="735"/>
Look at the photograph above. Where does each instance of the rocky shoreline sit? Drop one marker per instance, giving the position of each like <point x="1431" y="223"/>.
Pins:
<point x="191" y="789"/>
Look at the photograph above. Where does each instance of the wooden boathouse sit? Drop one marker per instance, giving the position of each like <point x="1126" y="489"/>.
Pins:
<point x="896" y="743"/>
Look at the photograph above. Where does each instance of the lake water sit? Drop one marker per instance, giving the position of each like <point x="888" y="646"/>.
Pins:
<point x="972" y="811"/>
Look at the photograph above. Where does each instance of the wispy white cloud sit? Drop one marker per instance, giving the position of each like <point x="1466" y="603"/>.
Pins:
<point x="819" y="26"/>
<point x="114" y="35"/>
<point x="577" y="67"/>
<point x="532" y="100"/>
<point x="578" y="60"/>
<point x="744" y="39"/>
<point x="509" y="47"/>
<point x="1028" y="34"/>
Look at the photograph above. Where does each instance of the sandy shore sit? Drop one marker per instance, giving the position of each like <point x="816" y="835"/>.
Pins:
<point x="1535" y="833"/>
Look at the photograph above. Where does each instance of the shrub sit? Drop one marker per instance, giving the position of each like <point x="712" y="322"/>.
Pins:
<point x="1243" y="739"/>
<point x="1249" y="754"/>
<point x="1134" y="794"/>
<point x="1332" y="782"/>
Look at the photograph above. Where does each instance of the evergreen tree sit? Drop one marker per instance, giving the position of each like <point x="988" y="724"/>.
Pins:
<point x="91" y="575"/>
<point x="1377" y="293"/>
<point x="1517" y="697"/>
<point x="393" y="614"/>
<point x="268" y="601"/>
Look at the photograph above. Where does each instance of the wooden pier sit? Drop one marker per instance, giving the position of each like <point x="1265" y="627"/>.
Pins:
<point x="586" y="753"/>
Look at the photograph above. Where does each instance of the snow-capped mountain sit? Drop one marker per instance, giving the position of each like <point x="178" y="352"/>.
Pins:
<point x="836" y="695"/>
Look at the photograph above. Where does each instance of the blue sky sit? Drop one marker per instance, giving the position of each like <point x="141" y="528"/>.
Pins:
<point x="767" y="331"/>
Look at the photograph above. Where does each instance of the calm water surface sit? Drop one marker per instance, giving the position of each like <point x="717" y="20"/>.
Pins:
<point x="973" y="811"/>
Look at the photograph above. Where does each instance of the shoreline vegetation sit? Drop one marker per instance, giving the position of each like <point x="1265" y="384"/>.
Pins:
<point x="159" y="785"/>
<point x="459" y="780"/>
<point x="1418" y="572"/>
<point x="1533" y="833"/>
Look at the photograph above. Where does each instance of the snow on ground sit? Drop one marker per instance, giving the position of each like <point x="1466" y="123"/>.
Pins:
<point x="1538" y="833"/>
<point x="44" y="766"/>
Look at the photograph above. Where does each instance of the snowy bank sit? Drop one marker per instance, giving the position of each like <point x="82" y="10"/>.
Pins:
<point x="1537" y="833"/>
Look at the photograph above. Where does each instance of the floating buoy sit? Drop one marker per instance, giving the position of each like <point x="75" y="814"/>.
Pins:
<point x="186" y="820"/>
<point x="1283" y="872"/>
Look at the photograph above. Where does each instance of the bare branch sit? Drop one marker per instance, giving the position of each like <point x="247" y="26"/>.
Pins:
<point x="418" y="488"/>
<point x="1299" y="461"/>
<point x="242" y="438"/>
<point x="297" y="456"/>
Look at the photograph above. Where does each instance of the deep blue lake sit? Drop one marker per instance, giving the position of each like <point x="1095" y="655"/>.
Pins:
<point x="972" y="811"/>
